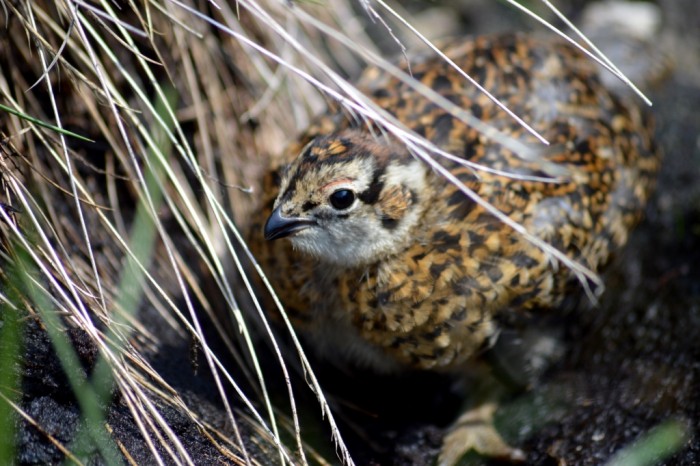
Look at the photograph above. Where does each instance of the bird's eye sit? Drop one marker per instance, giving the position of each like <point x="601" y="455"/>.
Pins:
<point x="342" y="199"/>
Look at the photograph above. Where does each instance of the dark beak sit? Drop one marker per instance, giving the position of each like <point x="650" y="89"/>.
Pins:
<point x="279" y="227"/>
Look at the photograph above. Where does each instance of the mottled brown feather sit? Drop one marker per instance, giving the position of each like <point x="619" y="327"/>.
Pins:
<point x="432" y="304"/>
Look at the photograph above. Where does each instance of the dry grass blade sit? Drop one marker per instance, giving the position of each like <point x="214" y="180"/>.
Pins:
<point x="137" y="398"/>
<point x="597" y="55"/>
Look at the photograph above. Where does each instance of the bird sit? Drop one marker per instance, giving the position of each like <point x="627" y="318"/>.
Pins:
<point x="382" y="260"/>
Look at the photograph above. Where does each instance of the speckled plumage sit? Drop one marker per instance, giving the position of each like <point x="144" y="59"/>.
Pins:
<point x="414" y="273"/>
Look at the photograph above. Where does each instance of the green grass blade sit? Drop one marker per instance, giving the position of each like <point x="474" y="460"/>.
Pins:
<point x="654" y="447"/>
<point x="10" y="360"/>
<point x="91" y="405"/>
<point x="43" y="124"/>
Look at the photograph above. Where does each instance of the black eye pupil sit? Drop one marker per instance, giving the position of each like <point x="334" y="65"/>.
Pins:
<point x="342" y="199"/>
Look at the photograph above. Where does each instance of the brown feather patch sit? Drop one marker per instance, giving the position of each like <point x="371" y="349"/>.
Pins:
<point x="393" y="203"/>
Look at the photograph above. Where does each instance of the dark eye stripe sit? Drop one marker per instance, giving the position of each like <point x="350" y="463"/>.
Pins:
<point x="308" y="205"/>
<point x="371" y="194"/>
<point x="390" y="223"/>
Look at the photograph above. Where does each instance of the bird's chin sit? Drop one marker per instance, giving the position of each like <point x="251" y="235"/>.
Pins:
<point x="294" y="235"/>
<point x="304" y="241"/>
<point x="310" y="243"/>
<point x="319" y="248"/>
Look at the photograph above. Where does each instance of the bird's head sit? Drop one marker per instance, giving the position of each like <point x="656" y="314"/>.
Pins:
<point x="349" y="199"/>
